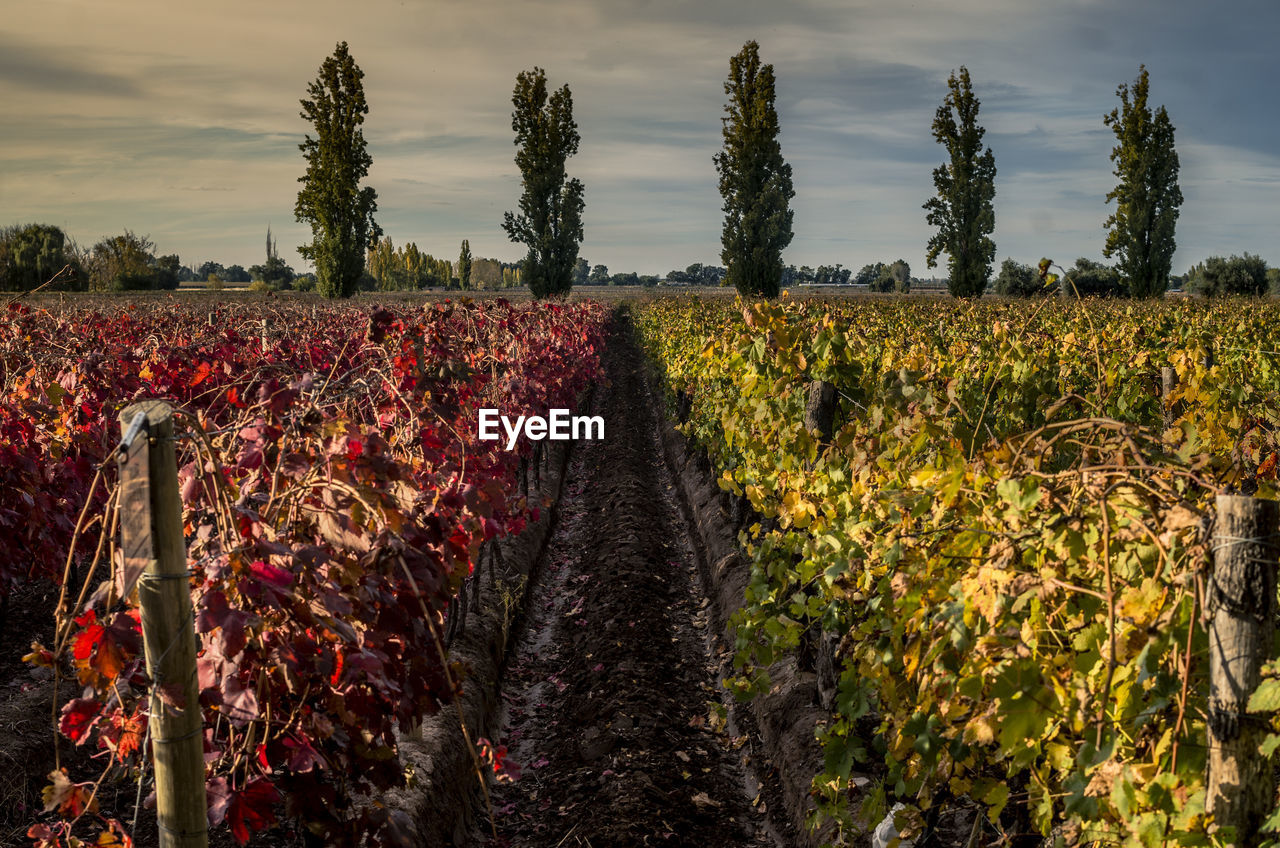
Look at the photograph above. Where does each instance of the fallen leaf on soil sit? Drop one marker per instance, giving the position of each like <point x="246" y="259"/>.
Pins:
<point x="704" y="800"/>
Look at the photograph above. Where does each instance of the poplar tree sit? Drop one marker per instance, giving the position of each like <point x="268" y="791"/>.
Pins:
<point x="1140" y="231"/>
<point x="551" y="205"/>
<point x="755" y="182"/>
<point x="962" y="211"/>
<point x="331" y="199"/>
<point x="464" y="265"/>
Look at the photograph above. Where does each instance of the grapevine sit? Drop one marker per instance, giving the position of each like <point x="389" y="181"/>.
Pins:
<point x="1006" y="537"/>
<point x="334" y="491"/>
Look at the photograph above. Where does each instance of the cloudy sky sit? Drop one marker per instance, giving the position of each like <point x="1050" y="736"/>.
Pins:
<point x="180" y="120"/>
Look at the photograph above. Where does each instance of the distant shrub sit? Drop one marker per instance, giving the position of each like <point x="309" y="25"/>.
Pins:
<point x="1093" y="279"/>
<point x="1018" y="280"/>
<point x="1217" y="277"/>
<point x="133" y="282"/>
<point x="33" y="254"/>
<point x="260" y="286"/>
<point x="892" y="277"/>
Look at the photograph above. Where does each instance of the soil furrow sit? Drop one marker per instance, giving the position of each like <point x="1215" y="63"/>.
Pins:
<point x="611" y="698"/>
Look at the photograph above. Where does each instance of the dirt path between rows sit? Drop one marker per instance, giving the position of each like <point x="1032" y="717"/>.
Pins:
<point x="612" y="703"/>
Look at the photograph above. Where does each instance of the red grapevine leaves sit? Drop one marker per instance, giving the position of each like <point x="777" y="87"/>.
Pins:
<point x="341" y="469"/>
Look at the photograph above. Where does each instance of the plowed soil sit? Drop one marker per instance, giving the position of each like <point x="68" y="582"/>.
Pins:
<point x="612" y="703"/>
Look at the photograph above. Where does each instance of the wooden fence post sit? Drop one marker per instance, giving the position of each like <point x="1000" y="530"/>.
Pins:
<point x="1241" y="603"/>
<point x="820" y="410"/>
<point x="151" y="533"/>
<point x="684" y="405"/>
<point x="1168" y="383"/>
<point x="819" y="419"/>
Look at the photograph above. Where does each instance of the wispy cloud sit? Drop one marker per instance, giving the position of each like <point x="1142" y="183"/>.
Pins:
<point x="182" y="121"/>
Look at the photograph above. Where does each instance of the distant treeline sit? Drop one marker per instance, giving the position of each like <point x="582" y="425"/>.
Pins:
<point x="33" y="254"/>
<point x="1214" y="277"/>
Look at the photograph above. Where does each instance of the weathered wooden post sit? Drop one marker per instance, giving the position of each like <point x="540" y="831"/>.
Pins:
<point x="1241" y="603"/>
<point x="1168" y="384"/>
<point x="819" y="419"/>
<point x="820" y="410"/>
<point x="155" y="554"/>
<point x="684" y="405"/>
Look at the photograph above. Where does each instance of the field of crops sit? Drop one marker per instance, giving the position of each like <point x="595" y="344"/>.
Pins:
<point x="334" y="495"/>
<point x="998" y="553"/>
<point x="1003" y="540"/>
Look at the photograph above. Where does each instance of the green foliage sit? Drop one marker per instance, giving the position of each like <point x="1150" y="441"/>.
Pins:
<point x="551" y="205"/>
<point x="126" y="263"/>
<point x="491" y="274"/>
<point x="1140" y="231"/>
<point x="1018" y="280"/>
<point x="869" y="274"/>
<point x="275" y="273"/>
<point x="464" y="265"/>
<point x="236" y="274"/>
<point x="892" y="277"/>
<point x="755" y="182"/>
<point x="132" y="282"/>
<point x="331" y="200"/>
<point x="600" y="275"/>
<point x="900" y="271"/>
<point x="827" y="275"/>
<point x="1093" y="279"/>
<point x="883" y="283"/>
<point x="1239" y="275"/>
<point x="1002" y="535"/>
<point x="707" y="275"/>
<point x="165" y="271"/>
<point x="581" y="272"/>
<point x="963" y="211"/>
<point x="33" y="254"/>
<point x="404" y="269"/>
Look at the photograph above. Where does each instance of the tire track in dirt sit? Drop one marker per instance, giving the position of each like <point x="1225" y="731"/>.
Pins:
<point x="611" y="699"/>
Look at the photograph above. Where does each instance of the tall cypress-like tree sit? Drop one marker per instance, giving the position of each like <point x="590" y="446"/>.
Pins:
<point x="550" y="219"/>
<point x="464" y="265"/>
<point x="331" y="199"/>
<point x="1140" y="231"/>
<point x="962" y="211"/>
<point x="755" y="182"/>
